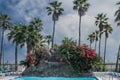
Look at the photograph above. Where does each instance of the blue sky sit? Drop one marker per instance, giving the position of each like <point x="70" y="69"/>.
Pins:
<point x="23" y="11"/>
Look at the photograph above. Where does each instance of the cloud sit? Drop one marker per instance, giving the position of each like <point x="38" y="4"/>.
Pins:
<point x="23" y="11"/>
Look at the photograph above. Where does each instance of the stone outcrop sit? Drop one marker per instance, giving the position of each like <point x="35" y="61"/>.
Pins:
<point x="50" y="69"/>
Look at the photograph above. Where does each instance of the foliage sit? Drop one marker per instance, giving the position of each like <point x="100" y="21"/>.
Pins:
<point x="117" y="15"/>
<point x="55" y="9"/>
<point x="34" y="58"/>
<point x="5" y="21"/>
<point x="98" y="64"/>
<point x="91" y="38"/>
<point x="81" y="58"/>
<point x="55" y="47"/>
<point x="66" y="49"/>
<point x="81" y="5"/>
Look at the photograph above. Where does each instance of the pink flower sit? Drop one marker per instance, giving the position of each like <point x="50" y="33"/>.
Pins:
<point x="68" y="62"/>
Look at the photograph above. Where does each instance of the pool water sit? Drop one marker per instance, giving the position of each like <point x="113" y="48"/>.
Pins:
<point x="52" y="78"/>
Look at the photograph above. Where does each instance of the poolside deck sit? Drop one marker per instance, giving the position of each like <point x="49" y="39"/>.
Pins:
<point x="107" y="75"/>
<point x="7" y="77"/>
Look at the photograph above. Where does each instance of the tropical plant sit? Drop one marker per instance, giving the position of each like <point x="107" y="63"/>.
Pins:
<point x="33" y="36"/>
<point x="48" y="39"/>
<point x="91" y="38"/>
<point x="4" y="24"/>
<point x="101" y="20"/>
<point x="30" y="60"/>
<point x="17" y="35"/>
<point x="96" y="38"/>
<point x="117" y="15"/>
<point x="117" y="61"/>
<point x="83" y="59"/>
<point x="80" y="58"/>
<point x="117" y="20"/>
<point x="37" y="24"/>
<point x="107" y="29"/>
<point x="66" y="48"/>
<point x="98" y="64"/>
<point x="81" y="6"/>
<point x="33" y="59"/>
<point x="55" y="10"/>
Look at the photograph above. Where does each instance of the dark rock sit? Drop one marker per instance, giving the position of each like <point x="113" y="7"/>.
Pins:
<point x="50" y="69"/>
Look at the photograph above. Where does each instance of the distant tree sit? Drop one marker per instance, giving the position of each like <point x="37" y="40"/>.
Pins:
<point x="81" y="6"/>
<point x="91" y="38"/>
<point x="101" y="20"/>
<point x="33" y="35"/>
<point x="117" y="20"/>
<point x="17" y="35"/>
<point x="96" y="38"/>
<point x="55" y="10"/>
<point x="48" y="39"/>
<point x="4" y="24"/>
<point x="107" y="30"/>
<point x="37" y="24"/>
<point x="117" y="15"/>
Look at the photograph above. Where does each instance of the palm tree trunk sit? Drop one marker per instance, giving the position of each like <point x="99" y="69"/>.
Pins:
<point x="16" y="57"/>
<point x="79" y="30"/>
<point x="95" y="44"/>
<point x="48" y="45"/>
<point x="90" y="44"/>
<point x="53" y="34"/>
<point x="29" y="48"/>
<point x="2" y="46"/>
<point x="105" y="51"/>
<point x="99" y="44"/>
<point x="118" y="55"/>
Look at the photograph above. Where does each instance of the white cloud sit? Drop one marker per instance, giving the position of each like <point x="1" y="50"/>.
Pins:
<point x="67" y="25"/>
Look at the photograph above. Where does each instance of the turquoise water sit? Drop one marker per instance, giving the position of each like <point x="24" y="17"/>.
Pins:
<point x="52" y="78"/>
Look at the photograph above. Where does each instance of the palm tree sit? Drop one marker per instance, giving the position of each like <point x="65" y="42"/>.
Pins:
<point x="4" y="24"/>
<point x="117" y="15"/>
<point x="118" y="56"/>
<point x="81" y="6"/>
<point x="48" y="39"/>
<point x="107" y="29"/>
<point x="37" y="24"/>
<point x="55" y="10"/>
<point x="101" y="20"/>
<point x="17" y="35"/>
<point x="96" y="38"/>
<point x="91" y="38"/>
<point x="117" y="20"/>
<point x="33" y="35"/>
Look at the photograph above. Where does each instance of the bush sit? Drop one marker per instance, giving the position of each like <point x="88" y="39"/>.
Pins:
<point x="81" y="58"/>
<point x="34" y="58"/>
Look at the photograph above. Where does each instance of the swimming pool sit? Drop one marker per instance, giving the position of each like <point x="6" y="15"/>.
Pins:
<point x="52" y="78"/>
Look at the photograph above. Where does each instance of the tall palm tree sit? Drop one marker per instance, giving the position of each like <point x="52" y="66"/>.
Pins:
<point x="91" y="38"/>
<point x="4" y="24"/>
<point x="107" y="29"/>
<point x="96" y="38"/>
<point x="117" y="20"/>
<point x="117" y="15"/>
<point x="81" y="6"/>
<point x="48" y="39"/>
<point x="118" y="56"/>
<point x="37" y="24"/>
<point x="33" y="34"/>
<point x="17" y="35"/>
<point x="55" y="10"/>
<point x="101" y="20"/>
